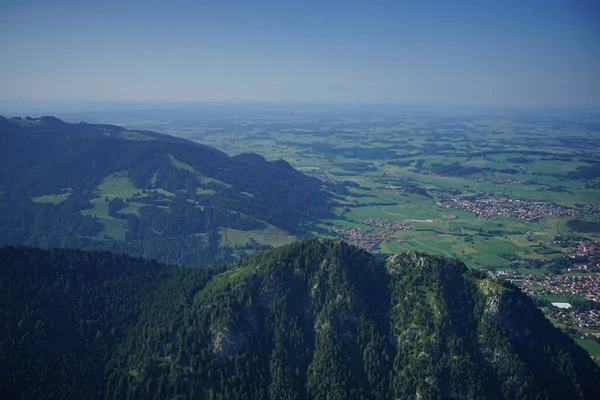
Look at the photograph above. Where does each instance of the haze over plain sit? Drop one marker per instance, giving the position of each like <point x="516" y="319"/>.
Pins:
<point x="532" y="53"/>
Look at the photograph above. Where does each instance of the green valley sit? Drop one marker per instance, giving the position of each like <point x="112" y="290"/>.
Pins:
<point x="475" y="183"/>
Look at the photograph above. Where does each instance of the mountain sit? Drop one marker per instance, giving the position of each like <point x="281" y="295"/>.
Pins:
<point x="140" y="192"/>
<point x="314" y="319"/>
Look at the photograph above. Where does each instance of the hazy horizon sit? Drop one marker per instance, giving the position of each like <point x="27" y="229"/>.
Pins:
<point x="68" y="109"/>
<point x="430" y="53"/>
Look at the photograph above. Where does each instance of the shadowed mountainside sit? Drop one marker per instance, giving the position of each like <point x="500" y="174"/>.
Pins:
<point x="315" y="319"/>
<point x="140" y="192"/>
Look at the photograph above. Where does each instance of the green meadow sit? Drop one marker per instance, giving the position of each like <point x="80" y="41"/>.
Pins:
<point x="592" y="347"/>
<point x="116" y="185"/>
<point x="51" y="198"/>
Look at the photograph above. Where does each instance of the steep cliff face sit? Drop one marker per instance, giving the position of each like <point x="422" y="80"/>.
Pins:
<point x="316" y="319"/>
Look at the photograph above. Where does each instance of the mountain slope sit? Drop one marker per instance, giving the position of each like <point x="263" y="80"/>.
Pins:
<point x="64" y="312"/>
<point x="102" y="186"/>
<point x="315" y="319"/>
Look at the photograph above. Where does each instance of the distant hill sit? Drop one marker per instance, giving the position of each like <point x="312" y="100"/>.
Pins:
<point x="314" y="319"/>
<point x="140" y="192"/>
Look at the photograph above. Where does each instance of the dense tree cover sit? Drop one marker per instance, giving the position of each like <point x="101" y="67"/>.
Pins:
<point x="454" y="169"/>
<point x="401" y="163"/>
<point x="65" y="312"/>
<point x="520" y="160"/>
<point x="412" y="188"/>
<point x="185" y="189"/>
<point x="586" y="172"/>
<point x="583" y="226"/>
<point x="315" y="319"/>
<point x="357" y="167"/>
<point x="114" y="206"/>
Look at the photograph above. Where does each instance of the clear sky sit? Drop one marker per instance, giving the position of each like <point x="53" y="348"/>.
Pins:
<point x="484" y="52"/>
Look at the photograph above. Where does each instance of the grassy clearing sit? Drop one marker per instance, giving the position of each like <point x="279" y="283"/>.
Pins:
<point x="181" y="165"/>
<point x="113" y="228"/>
<point x="204" y="192"/>
<point x="557" y="299"/>
<point x="52" y="198"/>
<point x="478" y="260"/>
<point x="118" y="185"/>
<point x="204" y="179"/>
<point x="132" y="208"/>
<point x="531" y="271"/>
<point x="393" y="247"/>
<point x="163" y="192"/>
<point x="358" y="214"/>
<point x="99" y="208"/>
<point x="592" y="347"/>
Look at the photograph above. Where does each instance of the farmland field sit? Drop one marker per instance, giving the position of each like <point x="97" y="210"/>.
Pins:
<point x="591" y="347"/>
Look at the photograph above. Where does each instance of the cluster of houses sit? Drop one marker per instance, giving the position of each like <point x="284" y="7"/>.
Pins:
<point x="507" y="274"/>
<point x="583" y="267"/>
<point x="587" y="286"/>
<point x="358" y="237"/>
<point x="589" y="319"/>
<point x="368" y="240"/>
<point x="592" y="208"/>
<point x="387" y="224"/>
<point x="505" y="207"/>
<point x="590" y="250"/>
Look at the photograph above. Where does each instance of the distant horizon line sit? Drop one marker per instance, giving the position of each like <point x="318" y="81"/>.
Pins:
<point x="154" y="102"/>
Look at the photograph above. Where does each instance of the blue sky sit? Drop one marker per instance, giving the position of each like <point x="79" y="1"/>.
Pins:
<point x="502" y="52"/>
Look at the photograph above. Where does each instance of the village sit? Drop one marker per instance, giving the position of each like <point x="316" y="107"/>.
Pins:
<point x="575" y="287"/>
<point x="506" y="207"/>
<point x="585" y="286"/>
<point x="588" y="251"/>
<point x="589" y="319"/>
<point x="591" y="208"/>
<point x="369" y="240"/>
<point x="387" y="224"/>
<point x="358" y="237"/>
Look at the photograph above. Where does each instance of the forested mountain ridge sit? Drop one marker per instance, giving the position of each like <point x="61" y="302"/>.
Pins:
<point x="140" y="192"/>
<point x="53" y="125"/>
<point x="314" y="319"/>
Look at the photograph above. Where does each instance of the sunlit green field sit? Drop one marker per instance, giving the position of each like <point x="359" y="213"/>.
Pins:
<point x="51" y="198"/>
<point x="117" y="185"/>
<point x="592" y="347"/>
